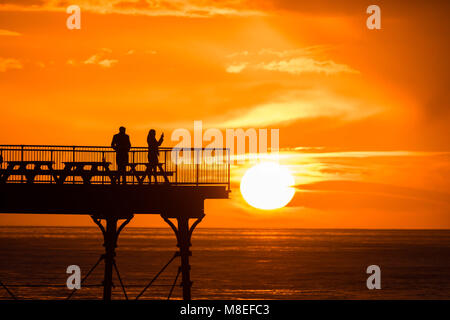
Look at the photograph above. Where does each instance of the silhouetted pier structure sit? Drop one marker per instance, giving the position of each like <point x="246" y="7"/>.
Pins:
<point x="84" y="180"/>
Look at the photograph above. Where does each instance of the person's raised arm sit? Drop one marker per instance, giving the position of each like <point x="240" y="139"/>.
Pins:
<point x="161" y="139"/>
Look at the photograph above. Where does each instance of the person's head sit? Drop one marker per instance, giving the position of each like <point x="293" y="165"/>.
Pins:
<point x="152" y="132"/>
<point x="122" y="129"/>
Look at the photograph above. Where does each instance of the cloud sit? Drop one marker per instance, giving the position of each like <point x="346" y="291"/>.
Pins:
<point x="270" y="53"/>
<point x="101" y="59"/>
<point x="237" y="68"/>
<point x="303" y="65"/>
<point x="293" y="61"/>
<point x="298" y="105"/>
<point x="356" y="195"/>
<point x="9" y="64"/>
<point x="306" y="51"/>
<point x="107" y="63"/>
<point x="237" y="54"/>
<point x="9" y="33"/>
<point x="180" y="8"/>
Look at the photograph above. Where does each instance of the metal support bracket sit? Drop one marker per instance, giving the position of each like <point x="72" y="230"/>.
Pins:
<point x="110" y="235"/>
<point x="184" y="234"/>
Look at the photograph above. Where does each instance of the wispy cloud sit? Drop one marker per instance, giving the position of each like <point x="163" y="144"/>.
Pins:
<point x="236" y="68"/>
<point x="298" y="105"/>
<point x="238" y="54"/>
<point x="304" y="65"/>
<point x="107" y="63"/>
<point x="269" y="52"/>
<point x="9" y="33"/>
<point x="101" y="59"/>
<point x="133" y="51"/>
<point x="181" y="8"/>
<point x="9" y="64"/>
<point x="294" y="61"/>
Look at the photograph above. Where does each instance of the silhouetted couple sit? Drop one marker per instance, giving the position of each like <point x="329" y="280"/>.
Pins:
<point x="122" y="145"/>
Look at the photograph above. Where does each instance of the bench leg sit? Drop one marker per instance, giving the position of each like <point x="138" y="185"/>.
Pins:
<point x="4" y="177"/>
<point x="87" y="179"/>
<point x="30" y="177"/>
<point x="166" y="179"/>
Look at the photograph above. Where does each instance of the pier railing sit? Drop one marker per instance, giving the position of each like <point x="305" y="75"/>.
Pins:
<point x="72" y="164"/>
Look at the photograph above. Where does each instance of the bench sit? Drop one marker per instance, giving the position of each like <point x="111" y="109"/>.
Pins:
<point x="78" y="169"/>
<point x="30" y="169"/>
<point x="86" y="170"/>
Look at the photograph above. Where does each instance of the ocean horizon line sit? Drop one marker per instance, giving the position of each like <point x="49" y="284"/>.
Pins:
<point x="234" y="228"/>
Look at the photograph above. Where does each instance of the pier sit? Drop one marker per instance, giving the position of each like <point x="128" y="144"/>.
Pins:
<point x="84" y="180"/>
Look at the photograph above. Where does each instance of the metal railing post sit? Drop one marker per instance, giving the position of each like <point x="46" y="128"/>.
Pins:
<point x="229" y="167"/>
<point x="73" y="160"/>
<point x="51" y="159"/>
<point x="176" y="167"/>
<point x="103" y="169"/>
<point x="21" y="159"/>
<point x="165" y="160"/>
<point x="197" y="165"/>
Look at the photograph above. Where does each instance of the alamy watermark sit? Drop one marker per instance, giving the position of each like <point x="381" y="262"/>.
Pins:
<point x="235" y="140"/>
<point x="374" y="280"/>
<point x="74" y="280"/>
<point x="374" y="20"/>
<point x="74" y="20"/>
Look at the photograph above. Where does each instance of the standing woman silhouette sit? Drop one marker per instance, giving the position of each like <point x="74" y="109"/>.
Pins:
<point x="153" y="153"/>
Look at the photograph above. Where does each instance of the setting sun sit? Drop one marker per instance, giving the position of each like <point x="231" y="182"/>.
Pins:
<point x="267" y="186"/>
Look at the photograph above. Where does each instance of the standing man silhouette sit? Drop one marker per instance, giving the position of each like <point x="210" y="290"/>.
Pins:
<point x="121" y="144"/>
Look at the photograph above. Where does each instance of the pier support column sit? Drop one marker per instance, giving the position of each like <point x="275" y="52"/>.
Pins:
<point x="184" y="234"/>
<point x="110" y="245"/>
<point x="110" y="236"/>
<point x="184" y="243"/>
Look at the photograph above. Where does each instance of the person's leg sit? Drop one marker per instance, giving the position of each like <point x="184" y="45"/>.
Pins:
<point x="124" y="175"/>
<point x="150" y="173"/>
<point x="118" y="162"/>
<point x="122" y="160"/>
<point x="119" y="172"/>
<point x="125" y="162"/>
<point x="154" y="173"/>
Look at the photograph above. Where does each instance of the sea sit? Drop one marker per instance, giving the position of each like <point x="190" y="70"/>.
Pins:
<point x="230" y="263"/>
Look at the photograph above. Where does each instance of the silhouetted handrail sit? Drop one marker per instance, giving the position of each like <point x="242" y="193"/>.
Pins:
<point x="97" y="165"/>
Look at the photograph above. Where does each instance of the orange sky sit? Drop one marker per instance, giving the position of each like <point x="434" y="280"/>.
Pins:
<point x="374" y="101"/>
